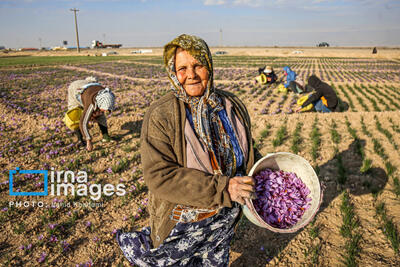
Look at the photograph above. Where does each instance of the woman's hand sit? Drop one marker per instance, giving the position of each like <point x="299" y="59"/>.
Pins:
<point x="299" y="109"/>
<point x="89" y="145"/>
<point x="240" y="188"/>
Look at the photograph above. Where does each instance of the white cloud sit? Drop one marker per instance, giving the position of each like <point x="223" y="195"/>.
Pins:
<point x="252" y="3"/>
<point x="214" y="2"/>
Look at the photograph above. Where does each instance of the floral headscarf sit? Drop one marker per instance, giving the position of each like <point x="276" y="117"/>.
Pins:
<point x="204" y="109"/>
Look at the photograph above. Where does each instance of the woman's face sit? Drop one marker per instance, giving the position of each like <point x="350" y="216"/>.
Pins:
<point x="97" y="113"/>
<point x="190" y="73"/>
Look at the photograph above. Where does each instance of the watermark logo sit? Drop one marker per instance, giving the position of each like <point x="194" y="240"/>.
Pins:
<point x="17" y="170"/>
<point x="67" y="183"/>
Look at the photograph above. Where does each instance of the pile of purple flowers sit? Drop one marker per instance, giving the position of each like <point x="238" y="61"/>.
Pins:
<point x="281" y="198"/>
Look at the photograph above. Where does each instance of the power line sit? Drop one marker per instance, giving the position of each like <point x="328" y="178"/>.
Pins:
<point x="76" y="28"/>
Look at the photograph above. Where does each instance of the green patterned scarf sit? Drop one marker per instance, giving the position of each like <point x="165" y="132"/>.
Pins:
<point x="205" y="108"/>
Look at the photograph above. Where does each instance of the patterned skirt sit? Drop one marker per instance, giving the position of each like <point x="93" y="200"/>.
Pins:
<point x="203" y="243"/>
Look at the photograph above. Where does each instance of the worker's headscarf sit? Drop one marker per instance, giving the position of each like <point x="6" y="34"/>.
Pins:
<point x="204" y="109"/>
<point x="105" y="99"/>
<point x="91" y="79"/>
<point x="314" y="82"/>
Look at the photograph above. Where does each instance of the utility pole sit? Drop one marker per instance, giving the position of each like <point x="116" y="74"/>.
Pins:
<point x="76" y="28"/>
<point x="220" y="37"/>
<point x="40" y="43"/>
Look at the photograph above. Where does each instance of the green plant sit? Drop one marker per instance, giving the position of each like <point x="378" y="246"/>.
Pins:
<point x="120" y="166"/>
<point x="352" y="251"/>
<point x="388" y="227"/>
<point x="296" y="139"/>
<point x="366" y="165"/>
<point x="364" y="128"/>
<point x="390" y="169"/>
<point x="281" y="135"/>
<point x="349" y="230"/>
<point x="314" y="231"/>
<point x="396" y="184"/>
<point x="342" y="177"/>
<point x="19" y="228"/>
<point x="265" y="132"/>
<point x="349" y="220"/>
<point x="351" y="104"/>
<point x="388" y="135"/>
<point x="315" y="139"/>
<point x="360" y="100"/>
<point x="378" y="148"/>
<point x="335" y="136"/>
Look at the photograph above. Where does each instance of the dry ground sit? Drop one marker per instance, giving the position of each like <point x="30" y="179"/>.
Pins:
<point x="252" y="246"/>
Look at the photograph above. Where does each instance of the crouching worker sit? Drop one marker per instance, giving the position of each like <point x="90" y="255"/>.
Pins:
<point x="293" y="83"/>
<point x="324" y="98"/>
<point x="266" y="75"/>
<point x="93" y="100"/>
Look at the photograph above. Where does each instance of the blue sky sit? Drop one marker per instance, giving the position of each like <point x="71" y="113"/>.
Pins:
<point x="143" y="23"/>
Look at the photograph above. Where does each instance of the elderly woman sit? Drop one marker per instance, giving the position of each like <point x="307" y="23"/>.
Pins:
<point x="196" y="147"/>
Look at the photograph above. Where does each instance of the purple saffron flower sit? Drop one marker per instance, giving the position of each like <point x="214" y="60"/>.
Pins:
<point x="65" y="245"/>
<point x="282" y="198"/>
<point x="42" y="257"/>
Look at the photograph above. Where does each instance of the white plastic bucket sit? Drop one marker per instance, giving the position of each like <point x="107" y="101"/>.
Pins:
<point x="287" y="162"/>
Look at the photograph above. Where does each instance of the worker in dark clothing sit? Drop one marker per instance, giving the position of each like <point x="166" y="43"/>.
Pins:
<point x="269" y="73"/>
<point x="324" y="98"/>
<point x="266" y="75"/>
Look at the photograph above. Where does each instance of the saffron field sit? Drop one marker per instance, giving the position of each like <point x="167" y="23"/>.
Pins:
<point x="354" y="151"/>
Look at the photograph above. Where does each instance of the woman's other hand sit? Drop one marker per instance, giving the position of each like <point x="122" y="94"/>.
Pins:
<point x="89" y="145"/>
<point x="240" y="188"/>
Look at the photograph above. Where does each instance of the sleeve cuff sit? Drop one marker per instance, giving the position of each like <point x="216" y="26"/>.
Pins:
<point x="222" y="191"/>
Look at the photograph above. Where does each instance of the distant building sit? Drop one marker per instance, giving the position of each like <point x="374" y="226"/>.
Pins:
<point x="142" y="51"/>
<point x="2" y="47"/>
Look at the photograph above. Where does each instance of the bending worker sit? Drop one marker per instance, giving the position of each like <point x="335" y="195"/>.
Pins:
<point x="94" y="99"/>
<point x="324" y="98"/>
<point x="292" y="81"/>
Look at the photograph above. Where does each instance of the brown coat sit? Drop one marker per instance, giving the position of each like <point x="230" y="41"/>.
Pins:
<point x="89" y="105"/>
<point x="166" y="172"/>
